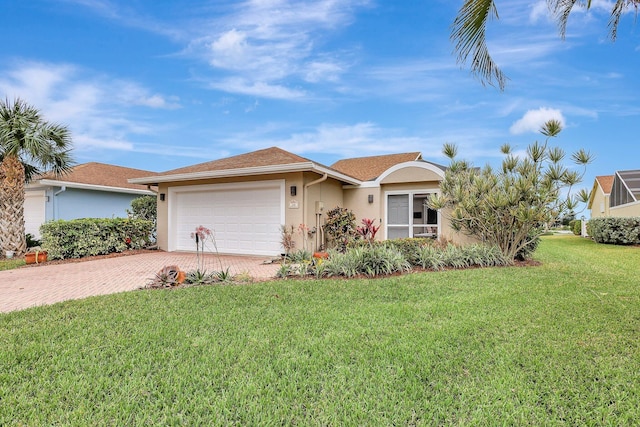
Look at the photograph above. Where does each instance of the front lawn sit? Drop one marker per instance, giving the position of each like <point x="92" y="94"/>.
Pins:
<point x="550" y="345"/>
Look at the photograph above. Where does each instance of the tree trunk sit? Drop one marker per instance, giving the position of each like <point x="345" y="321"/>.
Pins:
<point x="12" y="181"/>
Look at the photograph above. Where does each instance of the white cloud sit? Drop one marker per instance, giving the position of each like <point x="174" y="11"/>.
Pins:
<point x="256" y="88"/>
<point x="100" y="111"/>
<point x="317" y="71"/>
<point x="534" y="119"/>
<point x="264" y="42"/>
<point x="540" y="9"/>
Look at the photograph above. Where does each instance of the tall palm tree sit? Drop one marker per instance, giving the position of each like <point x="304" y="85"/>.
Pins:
<point x="28" y="145"/>
<point x="468" y="32"/>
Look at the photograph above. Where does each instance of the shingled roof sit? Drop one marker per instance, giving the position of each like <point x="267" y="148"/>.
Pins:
<point x="260" y="162"/>
<point x="606" y="182"/>
<point x="369" y="168"/>
<point x="266" y="157"/>
<point x="99" y="174"/>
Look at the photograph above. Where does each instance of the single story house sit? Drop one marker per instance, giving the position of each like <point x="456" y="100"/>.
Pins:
<point x="89" y="190"/>
<point x="616" y="195"/>
<point x="245" y="199"/>
<point x="599" y="198"/>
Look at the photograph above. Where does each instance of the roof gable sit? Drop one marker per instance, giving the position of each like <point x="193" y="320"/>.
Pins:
<point x="370" y="168"/>
<point x="605" y="182"/>
<point x="267" y="157"/>
<point x="99" y="174"/>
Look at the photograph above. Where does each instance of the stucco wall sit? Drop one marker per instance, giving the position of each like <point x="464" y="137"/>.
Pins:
<point x="411" y="174"/>
<point x="76" y="203"/>
<point x="299" y="209"/>
<point x="356" y="199"/>
<point x="599" y="200"/>
<point x="628" y="210"/>
<point x="330" y="194"/>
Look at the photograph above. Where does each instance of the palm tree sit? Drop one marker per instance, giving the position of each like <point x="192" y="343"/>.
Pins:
<point x="28" y="145"/>
<point x="468" y="32"/>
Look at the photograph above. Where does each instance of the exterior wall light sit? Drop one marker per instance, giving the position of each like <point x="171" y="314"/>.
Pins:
<point x="370" y="198"/>
<point x="294" y="190"/>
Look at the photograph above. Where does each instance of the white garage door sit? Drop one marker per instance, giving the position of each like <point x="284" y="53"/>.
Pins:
<point x="245" y="218"/>
<point x="34" y="212"/>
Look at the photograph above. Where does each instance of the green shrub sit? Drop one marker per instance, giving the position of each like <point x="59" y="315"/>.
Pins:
<point x="201" y="277"/>
<point x="145" y="207"/>
<point x="94" y="236"/>
<point x="409" y="247"/>
<point x="384" y="258"/>
<point x="299" y="256"/>
<point x="452" y="256"/>
<point x="617" y="231"/>
<point x="429" y="257"/>
<point x="340" y="227"/>
<point x="370" y="260"/>
<point x="577" y="227"/>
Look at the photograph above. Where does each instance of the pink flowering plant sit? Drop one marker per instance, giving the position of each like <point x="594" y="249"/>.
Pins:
<point x="368" y="230"/>
<point x="201" y="235"/>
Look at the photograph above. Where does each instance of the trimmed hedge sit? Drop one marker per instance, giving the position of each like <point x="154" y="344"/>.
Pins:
<point x="577" y="227"/>
<point x="617" y="231"/>
<point x="94" y="236"/>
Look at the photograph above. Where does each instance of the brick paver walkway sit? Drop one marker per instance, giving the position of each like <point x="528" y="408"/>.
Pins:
<point x="47" y="284"/>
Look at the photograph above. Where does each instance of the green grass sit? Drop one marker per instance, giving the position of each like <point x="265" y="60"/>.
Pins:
<point x="550" y="345"/>
<point x="9" y="264"/>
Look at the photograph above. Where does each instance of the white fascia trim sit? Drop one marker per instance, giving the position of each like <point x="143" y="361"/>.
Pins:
<point x="54" y="183"/>
<point x="258" y="170"/>
<point x="413" y="164"/>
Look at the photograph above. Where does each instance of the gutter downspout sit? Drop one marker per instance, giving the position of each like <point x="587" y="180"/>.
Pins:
<point x="304" y="204"/>
<point x="56" y="212"/>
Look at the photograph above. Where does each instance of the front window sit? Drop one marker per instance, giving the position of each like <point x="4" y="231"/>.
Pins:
<point x="409" y="216"/>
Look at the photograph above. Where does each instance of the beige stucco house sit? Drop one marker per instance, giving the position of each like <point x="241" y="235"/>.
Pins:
<point x="616" y="195"/>
<point x="245" y="199"/>
<point x="599" y="199"/>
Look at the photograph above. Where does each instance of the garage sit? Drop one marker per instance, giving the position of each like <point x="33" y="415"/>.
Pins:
<point x="244" y="217"/>
<point x="34" y="212"/>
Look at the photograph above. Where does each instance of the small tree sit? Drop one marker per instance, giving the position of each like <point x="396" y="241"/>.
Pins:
<point x="340" y="227"/>
<point x="511" y="207"/>
<point x="145" y="207"/>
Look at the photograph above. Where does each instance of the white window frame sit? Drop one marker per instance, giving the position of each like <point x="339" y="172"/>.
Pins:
<point x="411" y="194"/>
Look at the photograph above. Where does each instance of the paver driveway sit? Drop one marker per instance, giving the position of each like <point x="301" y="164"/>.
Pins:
<point x="47" y="284"/>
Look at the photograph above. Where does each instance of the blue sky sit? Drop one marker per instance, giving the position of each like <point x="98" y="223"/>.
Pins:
<point x="161" y="84"/>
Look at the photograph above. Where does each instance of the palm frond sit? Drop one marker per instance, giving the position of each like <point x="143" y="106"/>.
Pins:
<point x="468" y="33"/>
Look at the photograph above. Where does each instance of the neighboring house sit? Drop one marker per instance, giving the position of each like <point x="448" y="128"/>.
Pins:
<point x="599" y="199"/>
<point x="89" y="190"/>
<point x="616" y="195"/>
<point x="245" y="199"/>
